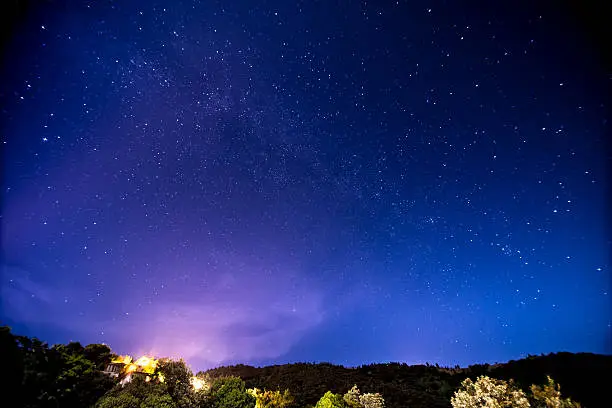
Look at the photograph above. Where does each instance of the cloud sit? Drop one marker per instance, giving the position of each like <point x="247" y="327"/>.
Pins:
<point x="241" y="324"/>
<point x="25" y="299"/>
<point x="237" y="318"/>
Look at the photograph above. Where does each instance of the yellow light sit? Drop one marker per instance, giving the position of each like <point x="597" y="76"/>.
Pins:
<point x="122" y="360"/>
<point x="197" y="383"/>
<point x="146" y="364"/>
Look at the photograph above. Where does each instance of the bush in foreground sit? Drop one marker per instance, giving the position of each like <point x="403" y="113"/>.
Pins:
<point x="489" y="392"/>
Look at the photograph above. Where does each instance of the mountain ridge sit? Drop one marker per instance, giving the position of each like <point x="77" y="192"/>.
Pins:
<point x="583" y="377"/>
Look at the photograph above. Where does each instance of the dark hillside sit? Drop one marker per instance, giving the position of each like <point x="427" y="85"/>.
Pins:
<point x="584" y="377"/>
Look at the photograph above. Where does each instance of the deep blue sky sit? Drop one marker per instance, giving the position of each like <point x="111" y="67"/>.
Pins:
<point x="274" y="181"/>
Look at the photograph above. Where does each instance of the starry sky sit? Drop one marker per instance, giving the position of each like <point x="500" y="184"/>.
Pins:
<point x="279" y="181"/>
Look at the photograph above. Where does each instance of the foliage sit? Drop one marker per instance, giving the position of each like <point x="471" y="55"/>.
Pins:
<point x="331" y="400"/>
<point x="99" y="354"/>
<point x="141" y="389"/>
<point x="492" y="393"/>
<point x="372" y="400"/>
<point x="158" y="401"/>
<point x="272" y="399"/>
<point x="12" y="361"/>
<point x="585" y="377"/>
<point x="489" y="393"/>
<point x="549" y="396"/>
<point x="230" y="392"/>
<point x="355" y="399"/>
<point x="145" y="394"/>
<point x="70" y="375"/>
<point x="177" y="378"/>
<point x="352" y="397"/>
<point x="123" y="400"/>
<point x="43" y="376"/>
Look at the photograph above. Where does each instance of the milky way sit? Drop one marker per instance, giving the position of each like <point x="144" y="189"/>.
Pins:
<point x="277" y="181"/>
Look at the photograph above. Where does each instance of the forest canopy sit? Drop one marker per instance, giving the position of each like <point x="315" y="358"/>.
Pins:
<point x="73" y="375"/>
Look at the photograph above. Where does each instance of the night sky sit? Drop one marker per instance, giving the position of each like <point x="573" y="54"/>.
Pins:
<point x="277" y="181"/>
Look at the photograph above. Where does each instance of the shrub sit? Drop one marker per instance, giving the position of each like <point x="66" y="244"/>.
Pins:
<point x="489" y="392"/>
